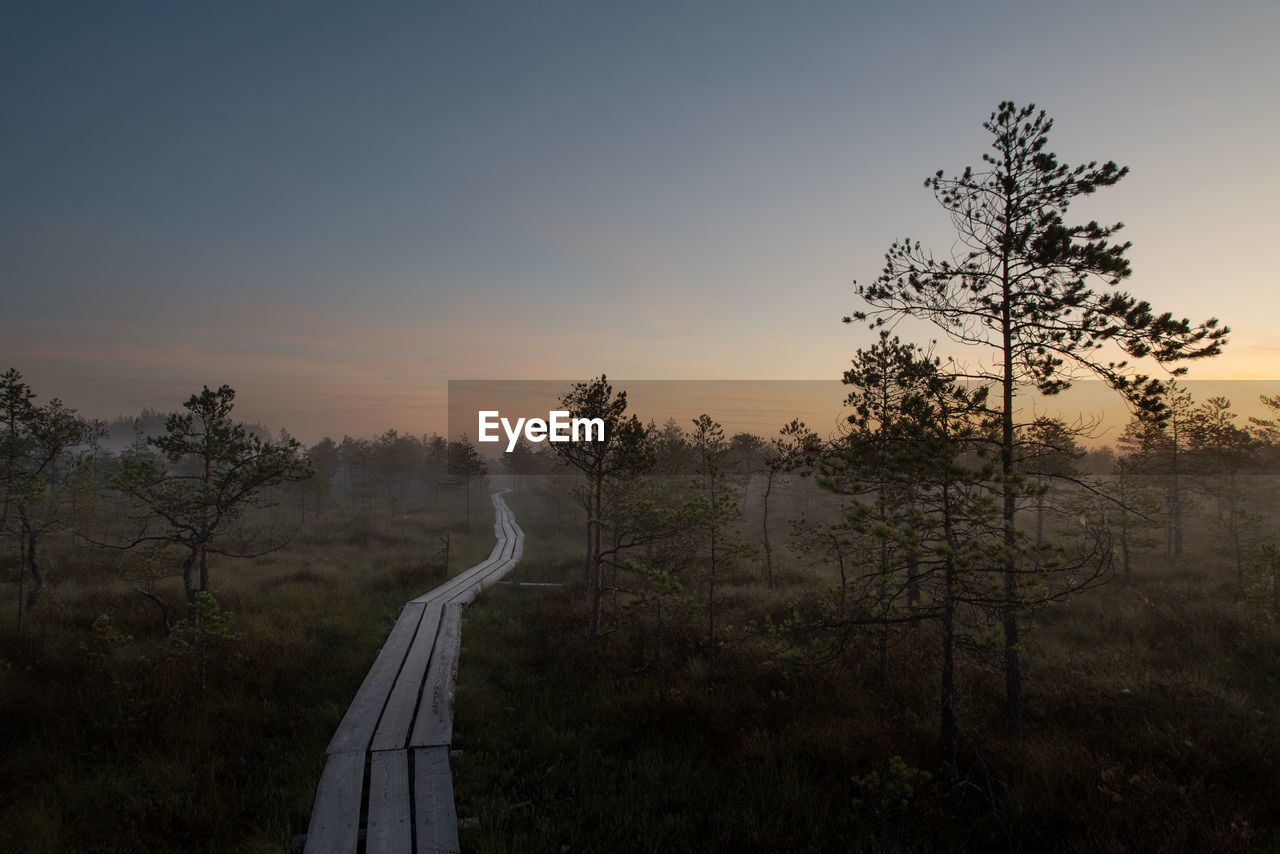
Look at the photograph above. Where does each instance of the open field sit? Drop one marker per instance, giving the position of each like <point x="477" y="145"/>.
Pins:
<point x="117" y="739"/>
<point x="1153" y="723"/>
<point x="1151" y="713"/>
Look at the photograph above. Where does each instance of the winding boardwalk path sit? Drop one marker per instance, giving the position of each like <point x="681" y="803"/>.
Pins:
<point x="388" y="765"/>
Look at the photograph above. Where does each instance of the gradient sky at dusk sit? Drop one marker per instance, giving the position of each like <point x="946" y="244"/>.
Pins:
<point x="336" y="208"/>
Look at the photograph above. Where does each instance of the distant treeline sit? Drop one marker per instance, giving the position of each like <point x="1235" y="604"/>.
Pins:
<point x="124" y="430"/>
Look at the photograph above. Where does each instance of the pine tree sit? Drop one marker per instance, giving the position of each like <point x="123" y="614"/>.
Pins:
<point x="622" y="451"/>
<point x="1019" y="286"/>
<point x="205" y="472"/>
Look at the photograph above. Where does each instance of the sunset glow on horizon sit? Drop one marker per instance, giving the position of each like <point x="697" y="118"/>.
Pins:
<point x="337" y="210"/>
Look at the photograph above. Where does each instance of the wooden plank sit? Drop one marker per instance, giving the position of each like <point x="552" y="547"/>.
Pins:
<point x="462" y="584"/>
<point x="463" y="587"/>
<point x="446" y="591"/>
<point x="496" y="573"/>
<point x="435" y="816"/>
<point x="415" y="667"/>
<point x="335" y="817"/>
<point x="458" y="582"/>
<point x="390" y="826"/>
<point x="434" y="723"/>
<point x="480" y="584"/>
<point x="393" y="729"/>
<point x="356" y="729"/>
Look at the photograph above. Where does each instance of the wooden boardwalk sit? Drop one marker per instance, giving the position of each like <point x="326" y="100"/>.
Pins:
<point x="388" y="767"/>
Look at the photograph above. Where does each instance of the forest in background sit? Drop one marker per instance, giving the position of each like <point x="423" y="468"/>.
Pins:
<point x="793" y="600"/>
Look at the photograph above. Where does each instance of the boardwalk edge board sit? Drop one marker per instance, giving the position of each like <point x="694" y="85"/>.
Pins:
<point x="397" y="732"/>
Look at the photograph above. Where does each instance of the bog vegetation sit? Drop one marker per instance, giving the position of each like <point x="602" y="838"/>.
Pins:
<point x="787" y="643"/>
<point x="948" y="626"/>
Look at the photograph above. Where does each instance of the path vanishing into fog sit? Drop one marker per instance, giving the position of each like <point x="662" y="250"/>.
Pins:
<point x="388" y="767"/>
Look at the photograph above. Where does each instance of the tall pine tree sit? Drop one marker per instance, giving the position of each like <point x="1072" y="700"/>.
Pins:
<point x="1022" y="285"/>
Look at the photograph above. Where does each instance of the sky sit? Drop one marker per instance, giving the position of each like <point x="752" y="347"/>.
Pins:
<point x="336" y="208"/>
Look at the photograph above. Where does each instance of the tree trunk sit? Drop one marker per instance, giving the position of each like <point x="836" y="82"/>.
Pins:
<point x="33" y="566"/>
<point x="597" y="565"/>
<point x="882" y="590"/>
<point x="586" y="562"/>
<point x="913" y="580"/>
<point x="764" y="527"/>
<point x="662" y="670"/>
<point x="711" y="603"/>
<point x="844" y="585"/>
<point x="882" y="658"/>
<point x="22" y="579"/>
<point x="1012" y="660"/>
<point x="948" y="725"/>
<point x="593" y="631"/>
<point x="1040" y="515"/>
<point x="1275" y="588"/>
<point x="160" y="603"/>
<point x="204" y="567"/>
<point x="188" y="584"/>
<point x="1175" y="497"/>
<point x="1124" y="548"/>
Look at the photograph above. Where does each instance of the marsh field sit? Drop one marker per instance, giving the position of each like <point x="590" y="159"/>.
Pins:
<point x="744" y="654"/>
<point x="938" y="510"/>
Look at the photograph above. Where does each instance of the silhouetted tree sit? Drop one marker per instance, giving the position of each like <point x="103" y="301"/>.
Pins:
<point x="622" y="451"/>
<point x="1018" y="285"/>
<point x="437" y="451"/>
<point x="38" y="459"/>
<point x="745" y="454"/>
<point x="325" y="459"/>
<point x="520" y="461"/>
<point x="1174" y="426"/>
<point x="1137" y="507"/>
<point x="206" y="472"/>
<point x="1267" y="430"/>
<point x="1221" y="454"/>
<point x="357" y="470"/>
<point x="794" y="447"/>
<point x="874" y="462"/>
<point x="465" y="465"/>
<point x="1159" y="446"/>
<point x="396" y="459"/>
<point x="671" y="451"/>
<point x="712" y="509"/>
<point x="1049" y="450"/>
<point x="919" y="525"/>
<point x="945" y="427"/>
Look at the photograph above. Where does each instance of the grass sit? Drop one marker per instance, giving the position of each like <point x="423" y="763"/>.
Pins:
<point x="112" y="740"/>
<point x="1152" y="723"/>
<point x="1152" y="711"/>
